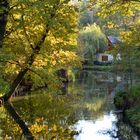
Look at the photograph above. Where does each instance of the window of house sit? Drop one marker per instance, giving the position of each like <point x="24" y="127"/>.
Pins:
<point x="104" y="58"/>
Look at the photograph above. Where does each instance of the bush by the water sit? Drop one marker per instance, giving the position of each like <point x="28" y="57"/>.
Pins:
<point x="120" y="99"/>
<point x="133" y="115"/>
<point x="129" y="102"/>
<point x="126" y="100"/>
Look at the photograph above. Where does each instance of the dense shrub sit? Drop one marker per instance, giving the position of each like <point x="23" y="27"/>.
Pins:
<point x="129" y="103"/>
<point x="125" y="100"/>
<point x="133" y="115"/>
<point x="120" y="99"/>
<point x="134" y="94"/>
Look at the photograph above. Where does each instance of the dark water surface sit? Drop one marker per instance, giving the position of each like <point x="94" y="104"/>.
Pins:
<point x="84" y="112"/>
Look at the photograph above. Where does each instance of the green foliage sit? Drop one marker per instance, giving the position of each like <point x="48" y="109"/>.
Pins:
<point x="133" y="116"/>
<point x="111" y="7"/>
<point x="121" y="18"/>
<point x="85" y="15"/>
<point x="117" y="16"/>
<point x="129" y="50"/>
<point x="50" y="117"/>
<point x="28" y="22"/>
<point x="135" y="93"/>
<point x="129" y="102"/>
<point x="91" y="41"/>
<point x="120" y="100"/>
<point x="126" y="100"/>
<point x="131" y="37"/>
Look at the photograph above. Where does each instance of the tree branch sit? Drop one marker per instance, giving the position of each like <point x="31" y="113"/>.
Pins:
<point x="32" y="57"/>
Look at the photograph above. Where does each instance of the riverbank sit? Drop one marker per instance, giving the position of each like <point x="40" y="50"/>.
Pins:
<point x="129" y="103"/>
<point x="98" y="67"/>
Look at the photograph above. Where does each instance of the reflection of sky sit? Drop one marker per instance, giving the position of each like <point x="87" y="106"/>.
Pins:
<point x="97" y="130"/>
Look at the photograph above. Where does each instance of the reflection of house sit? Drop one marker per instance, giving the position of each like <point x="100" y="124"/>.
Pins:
<point x="106" y="58"/>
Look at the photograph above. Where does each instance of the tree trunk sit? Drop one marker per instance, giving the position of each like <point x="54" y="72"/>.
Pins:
<point x="30" y="61"/>
<point x="14" y="85"/>
<point x="4" y="7"/>
<point x="22" y="73"/>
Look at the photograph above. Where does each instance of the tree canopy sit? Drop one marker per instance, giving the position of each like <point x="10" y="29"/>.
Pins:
<point x="91" y="41"/>
<point x="40" y="39"/>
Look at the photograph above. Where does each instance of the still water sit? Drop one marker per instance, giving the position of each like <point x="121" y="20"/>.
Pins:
<point x="85" y="111"/>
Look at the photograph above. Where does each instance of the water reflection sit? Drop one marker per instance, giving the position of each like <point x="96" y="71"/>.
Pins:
<point x="125" y="132"/>
<point x="101" y="129"/>
<point x="96" y="120"/>
<point x="83" y="112"/>
<point x="26" y="132"/>
<point x="48" y="117"/>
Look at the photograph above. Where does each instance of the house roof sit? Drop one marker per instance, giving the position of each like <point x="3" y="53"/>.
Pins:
<point x="114" y="40"/>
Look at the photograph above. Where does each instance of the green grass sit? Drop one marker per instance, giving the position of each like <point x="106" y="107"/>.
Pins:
<point x="98" y="67"/>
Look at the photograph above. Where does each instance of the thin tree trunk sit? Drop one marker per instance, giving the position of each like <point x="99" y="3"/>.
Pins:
<point x="4" y="7"/>
<point x="22" y="73"/>
<point x="14" y="85"/>
<point x="19" y="121"/>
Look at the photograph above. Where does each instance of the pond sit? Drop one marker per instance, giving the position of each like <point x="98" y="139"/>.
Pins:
<point x="84" y="111"/>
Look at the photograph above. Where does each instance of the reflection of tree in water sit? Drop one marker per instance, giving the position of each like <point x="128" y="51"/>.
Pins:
<point x="12" y="112"/>
<point x="95" y="97"/>
<point x="125" y="132"/>
<point x="8" y="128"/>
<point x="51" y="118"/>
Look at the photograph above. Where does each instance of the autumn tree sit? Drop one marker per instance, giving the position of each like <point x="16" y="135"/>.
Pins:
<point x="128" y="30"/>
<point x="41" y="39"/>
<point x="130" y="51"/>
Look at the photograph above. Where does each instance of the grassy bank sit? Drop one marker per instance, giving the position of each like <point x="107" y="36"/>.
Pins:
<point x="98" y="67"/>
<point x="129" y="102"/>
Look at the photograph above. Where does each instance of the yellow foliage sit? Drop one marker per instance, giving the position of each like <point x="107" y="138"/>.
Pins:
<point x="54" y="128"/>
<point x="30" y="21"/>
<point x="38" y="128"/>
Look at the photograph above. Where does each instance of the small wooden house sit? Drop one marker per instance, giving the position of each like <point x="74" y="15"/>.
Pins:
<point x="106" y="58"/>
